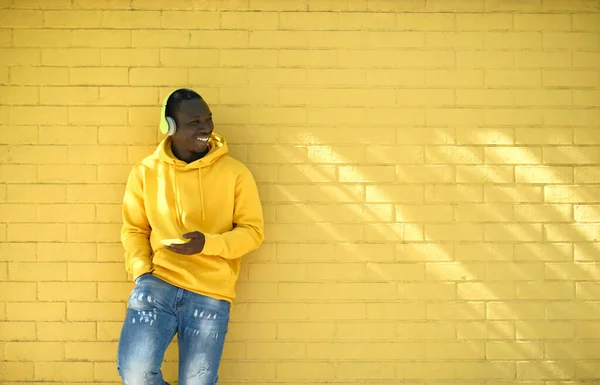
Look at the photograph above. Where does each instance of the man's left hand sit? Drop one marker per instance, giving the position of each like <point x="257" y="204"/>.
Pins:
<point x="194" y="246"/>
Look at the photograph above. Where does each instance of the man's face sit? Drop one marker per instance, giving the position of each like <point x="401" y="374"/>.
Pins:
<point x="194" y="126"/>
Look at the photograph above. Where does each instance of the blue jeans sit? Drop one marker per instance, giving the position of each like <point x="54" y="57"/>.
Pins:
<point x="156" y="311"/>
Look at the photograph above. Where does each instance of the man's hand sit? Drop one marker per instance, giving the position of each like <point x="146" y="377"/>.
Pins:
<point x="194" y="246"/>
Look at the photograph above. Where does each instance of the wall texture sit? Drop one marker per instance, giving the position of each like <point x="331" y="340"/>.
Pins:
<point x="429" y="171"/>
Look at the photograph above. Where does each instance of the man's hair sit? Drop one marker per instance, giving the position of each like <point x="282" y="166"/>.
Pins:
<point x="177" y="97"/>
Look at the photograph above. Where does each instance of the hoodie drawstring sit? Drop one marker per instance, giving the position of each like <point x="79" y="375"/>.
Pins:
<point x="177" y="197"/>
<point x="201" y="193"/>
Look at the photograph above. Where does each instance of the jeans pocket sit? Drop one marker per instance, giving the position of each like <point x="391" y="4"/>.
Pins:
<point x="142" y="277"/>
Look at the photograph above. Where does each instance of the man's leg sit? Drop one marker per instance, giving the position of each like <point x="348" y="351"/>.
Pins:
<point x="203" y="325"/>
<point x="149" y="327"/>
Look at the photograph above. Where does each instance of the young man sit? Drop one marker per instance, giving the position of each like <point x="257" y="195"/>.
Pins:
<point x="190" y="213"/>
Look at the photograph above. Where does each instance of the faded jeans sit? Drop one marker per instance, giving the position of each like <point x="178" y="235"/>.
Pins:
<point x="156" y="311"/>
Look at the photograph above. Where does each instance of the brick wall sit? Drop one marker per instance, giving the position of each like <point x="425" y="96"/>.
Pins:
<point x="429" y="171"/>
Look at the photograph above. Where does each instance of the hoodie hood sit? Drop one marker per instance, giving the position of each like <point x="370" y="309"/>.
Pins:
<point x="217" y="148"/>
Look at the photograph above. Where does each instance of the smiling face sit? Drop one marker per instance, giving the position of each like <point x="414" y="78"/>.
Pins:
<point x="194" y="128"/>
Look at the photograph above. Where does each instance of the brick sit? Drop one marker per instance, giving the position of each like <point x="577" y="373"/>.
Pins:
<point x="102" y="38"/>
<point x="484" y="22"/>
<point x="73" y="19"/>
<point x="459" y="232"/>
<point x="426" y="173"/>
<point x="267" y="77"/>
<point x="66" y="251"/>
<point x="542" y="22"/>
<point x="113" y="173"/>
<point x="109" y="213"/>
<point x="543" y="252"/>
<point x="68" y="135"/>
<point x="390" y="5"/>
<point x="424" y="213"/>
<point x="12" y="212"/>
<point x="486" y="212"/>
<point x="219" y="39"/>
<point x="68" y="95"/>
<point x="367" y="21"/>
<point x="337" y="5"/>
<point x="247" y="58"/>
<point x="158" y="38"/>
<point x="249" y="370"/>
<point x="586" y="174"/>
<point x="131" y="19"/>
<point x="66" y="331"/>
<point x="69" y="371"/>
<point x="513" y="232"/>
<point x="512" y="155"/>
<point x="583" y="22"/>
<point x="70" y="56"/>
<point x="245" y="20"/>
<point x="172" y="57"/>
<point x="483" y="252"/>
<point x="514" y="117"/>
<point x="587" y="213"/>
<point x="27" y="154"/>
<point x="453" y="77"/>
<point x="585" y="59"/>
<point x="158" y="76"/>
<point x="545" y="213"/>
<point x="395" y="194"/>
<point x="97" y="115"/>
<point x="513" y="78"/>
<point x="102" y="4"/>
<point x="580" y="41"/>
<point x="42" y="38"/>
<point x="98" y="154"/>
<point x="487" y="174"/>
<point x="17" y="371"/>
<point x="95" y="194"/>
<point x="555" y="78"/>
<point x="485" y="331"/>
<point x="515" y="311"/>
<point x="394" y="116"/>
<point x="41" y="232"/>
<point x="126" y="57"/>
<point x="574" y="117"/>
<point x="456" y="193"/>
<point x="377" y="351"/>
<point x="36" y="351"/>
<point x="527" y="371"/>
<point x="66" y="173"/>
<point x="38" y="271"/>
<point x="20" y="57"/>
<point x="128" y="96"/>
<point x="453" y="117"/>
<point x="90" y="351"/>
<point x="308" y="21"/>
<point x="454" y="155"/>
<point x="17" y="331"/>
<point x="17" y="251"/>
<point x="571" y="310"/>
<point x="306" y="58"/>
<point x="111" y="331"/>
<point x="384" y="58"/>
<point x="544" y="174"/>
<point x="99" y="232"/>
<point x="22" y="135"/>
<point x="36" y="193"/>
<point x="542" y="59"/>
<point x="63" y="291"/>
<point x="484" y="59"/>
<point x="461" y="40"/>
<point x="350" y="77"/>
<point x="484" y="97"/>
<point x="571" y="155"/>
<point x="546" y="290"/>
<point x="571" y="194"/>
<point x="17" y="291"/>
<point x="586" y="98"/>
<point x="545" y="329"/>
<point x="574" y="232"/>
<point x="569" y="5"/>
<point x="455" y="311"/>
<point x="35" y="311"/>
<point x="39" y="76"/>
<point x="88" y="311"/>
<point x="100" y="76"/>
<point x="273" y="5"/>
<point x="271" y="350"/>
<point x="303" y="331"/>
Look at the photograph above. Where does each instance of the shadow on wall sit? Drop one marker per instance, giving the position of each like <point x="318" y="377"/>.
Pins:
<point x="417" y="261"/>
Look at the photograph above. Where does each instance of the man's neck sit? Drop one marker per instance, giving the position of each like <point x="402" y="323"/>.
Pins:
<point x="188" y="156"/>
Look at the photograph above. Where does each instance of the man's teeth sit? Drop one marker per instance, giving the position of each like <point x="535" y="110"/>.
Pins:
<point x="202" y="139"/>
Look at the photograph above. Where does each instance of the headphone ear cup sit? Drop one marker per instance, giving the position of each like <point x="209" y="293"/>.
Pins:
<point x="171" y="125"/>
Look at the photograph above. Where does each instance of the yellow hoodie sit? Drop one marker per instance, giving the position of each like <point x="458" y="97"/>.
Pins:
<point x="166" y="198"/>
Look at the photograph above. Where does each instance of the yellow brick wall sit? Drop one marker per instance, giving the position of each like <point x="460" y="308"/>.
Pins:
<point x="429" y="171"/>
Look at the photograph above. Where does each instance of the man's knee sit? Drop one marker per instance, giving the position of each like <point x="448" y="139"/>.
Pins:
<point x="139" y="373"/>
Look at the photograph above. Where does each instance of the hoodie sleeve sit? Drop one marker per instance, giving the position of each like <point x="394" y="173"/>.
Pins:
<point x="248" y="231"/>
<point x="135" y="233"/>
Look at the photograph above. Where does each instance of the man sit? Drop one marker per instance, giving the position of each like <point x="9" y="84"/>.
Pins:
<point x="190" y="212"/>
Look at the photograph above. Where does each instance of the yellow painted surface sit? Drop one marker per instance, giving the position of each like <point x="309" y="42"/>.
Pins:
<point x="429" y="172"/>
